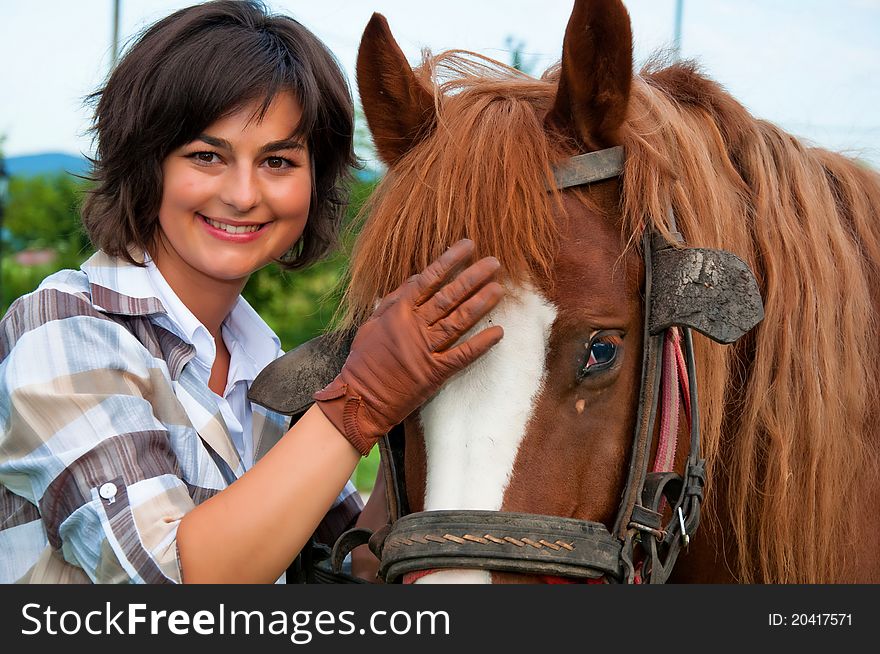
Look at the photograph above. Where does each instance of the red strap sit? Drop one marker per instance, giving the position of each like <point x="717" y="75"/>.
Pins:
<point x="669" y="401"/>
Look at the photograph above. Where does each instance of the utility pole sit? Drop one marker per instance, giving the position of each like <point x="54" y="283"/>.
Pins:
<point x="676" y="39"/>
<point x="115" y="34"/>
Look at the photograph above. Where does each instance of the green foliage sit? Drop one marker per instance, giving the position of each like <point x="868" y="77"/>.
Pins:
<point x="364" y="476"/>
<point x="17" y="280"/>
<point x="296" y="305"/>
<point x="43" y="212"/>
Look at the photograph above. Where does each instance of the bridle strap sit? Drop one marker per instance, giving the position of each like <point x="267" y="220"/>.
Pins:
<point x="492" y="540"/>
<point x="674" y="376"/>
<point x="684" y="495"/>
<point x="589" y="168"/>
<point x="652" y="359"/>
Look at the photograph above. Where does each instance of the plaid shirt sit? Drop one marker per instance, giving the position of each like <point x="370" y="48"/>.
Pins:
<point x="108" y="436"/>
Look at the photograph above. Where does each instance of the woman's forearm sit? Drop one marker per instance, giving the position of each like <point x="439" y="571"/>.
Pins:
<point x="252" y="530"/>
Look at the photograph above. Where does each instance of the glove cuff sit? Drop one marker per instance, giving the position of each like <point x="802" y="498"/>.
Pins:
<point x="342" y="406"/>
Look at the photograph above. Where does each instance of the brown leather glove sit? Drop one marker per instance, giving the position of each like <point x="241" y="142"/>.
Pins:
<point x="402" y="355"/>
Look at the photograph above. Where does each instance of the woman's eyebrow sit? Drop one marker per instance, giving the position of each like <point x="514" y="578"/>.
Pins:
<point x="213" y="140"/>
<point x="283" y="144"/>
<point x="273" y="146"/>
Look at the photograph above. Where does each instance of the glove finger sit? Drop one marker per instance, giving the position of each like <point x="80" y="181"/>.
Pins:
<point x="433" y="278"/>
<point x="444" y="301"/>
<point x="392" y="298"/>
<point x="463" y="354"/>
<point x="448" y="330"/>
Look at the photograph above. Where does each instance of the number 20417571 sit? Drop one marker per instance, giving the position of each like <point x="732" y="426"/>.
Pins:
<point x="810" y="620"/>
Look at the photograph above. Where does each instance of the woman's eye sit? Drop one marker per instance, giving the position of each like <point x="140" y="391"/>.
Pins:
<point x="601" y="355"/>
<point x="278" y="162"/>
<point x="205" y="157"/>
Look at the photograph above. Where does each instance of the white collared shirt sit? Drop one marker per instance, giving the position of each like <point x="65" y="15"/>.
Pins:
<point x="252" y="346"/>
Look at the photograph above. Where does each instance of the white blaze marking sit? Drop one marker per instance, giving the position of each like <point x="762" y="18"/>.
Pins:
<point x="474" y="426"/>
<point x="456" y="577"/>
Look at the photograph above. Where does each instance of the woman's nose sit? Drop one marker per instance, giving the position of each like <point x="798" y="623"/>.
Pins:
<point x="241" y="190"/>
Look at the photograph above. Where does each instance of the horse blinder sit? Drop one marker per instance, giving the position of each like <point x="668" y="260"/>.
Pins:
<point x="711" y="291"/>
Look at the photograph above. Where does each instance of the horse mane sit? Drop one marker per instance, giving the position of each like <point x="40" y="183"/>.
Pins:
<point x="787" y="412"/>
<point x="480" y="175"/>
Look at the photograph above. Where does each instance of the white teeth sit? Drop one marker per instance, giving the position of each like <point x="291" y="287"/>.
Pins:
<point x="232" y="229"/>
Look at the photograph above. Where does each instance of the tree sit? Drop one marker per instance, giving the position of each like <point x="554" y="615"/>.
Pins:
<point x="43" y="212"/>
<point x="4" y="185"/>
<point x="517" y="55"/>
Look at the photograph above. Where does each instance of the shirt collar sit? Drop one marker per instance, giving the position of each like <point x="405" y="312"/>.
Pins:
<point x="118" y="287"/>
<point x="182" y="321"/>
<point x="254" y="344"/>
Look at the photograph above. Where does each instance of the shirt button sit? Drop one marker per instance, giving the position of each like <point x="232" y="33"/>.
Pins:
<point x="108" y="492"/>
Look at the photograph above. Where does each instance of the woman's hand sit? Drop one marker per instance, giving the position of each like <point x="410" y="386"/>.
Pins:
<point x="407" y="349"/>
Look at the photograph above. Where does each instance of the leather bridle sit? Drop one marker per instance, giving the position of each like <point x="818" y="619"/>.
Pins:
<point x="645" y="541"/>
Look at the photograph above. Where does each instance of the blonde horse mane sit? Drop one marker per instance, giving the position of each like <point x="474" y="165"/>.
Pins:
<point x="788" y="413"/>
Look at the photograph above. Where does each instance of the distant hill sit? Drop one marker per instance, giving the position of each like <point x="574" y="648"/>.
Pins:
<point x="46" y="164"/>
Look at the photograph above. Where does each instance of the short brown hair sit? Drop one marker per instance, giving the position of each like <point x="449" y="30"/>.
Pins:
<point x="185" y="72"/>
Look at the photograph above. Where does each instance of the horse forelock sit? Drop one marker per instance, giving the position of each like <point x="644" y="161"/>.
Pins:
<point x="480" y="174"/>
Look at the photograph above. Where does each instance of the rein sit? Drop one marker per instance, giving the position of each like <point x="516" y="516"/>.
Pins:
<point x="659" y="510"/>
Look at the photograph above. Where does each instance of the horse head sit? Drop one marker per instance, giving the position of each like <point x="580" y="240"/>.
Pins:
<point x="558" y="426"/>
<point x="543" y="424"/>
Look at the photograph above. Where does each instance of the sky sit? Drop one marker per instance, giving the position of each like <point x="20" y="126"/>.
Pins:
<point x="810" y="66"/>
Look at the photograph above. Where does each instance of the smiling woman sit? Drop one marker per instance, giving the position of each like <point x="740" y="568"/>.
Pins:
<point x="131" y="452"/>
<point x="228" y="211"/>
<point x="233" y="199"/>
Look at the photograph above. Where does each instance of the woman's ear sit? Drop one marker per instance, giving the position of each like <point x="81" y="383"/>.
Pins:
<point x="596" y="75"/>
<point x="399" y="110"/>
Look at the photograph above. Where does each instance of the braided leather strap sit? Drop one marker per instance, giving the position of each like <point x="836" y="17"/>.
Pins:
<point x="491" y="540"/>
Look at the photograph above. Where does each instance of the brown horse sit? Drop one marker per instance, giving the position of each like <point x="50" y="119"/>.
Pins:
<point x="544" y="423"/>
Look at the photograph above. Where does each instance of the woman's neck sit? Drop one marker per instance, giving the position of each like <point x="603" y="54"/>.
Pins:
<point x="209" y="299"/>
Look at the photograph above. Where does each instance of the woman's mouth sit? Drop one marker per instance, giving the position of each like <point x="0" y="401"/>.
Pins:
<point x="230" y="231"/>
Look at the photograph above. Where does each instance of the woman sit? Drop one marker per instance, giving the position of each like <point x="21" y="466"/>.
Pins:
<point x="224" y="136"/>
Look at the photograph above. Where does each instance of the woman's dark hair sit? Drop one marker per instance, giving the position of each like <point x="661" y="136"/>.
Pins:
<point x="187" y="71"/>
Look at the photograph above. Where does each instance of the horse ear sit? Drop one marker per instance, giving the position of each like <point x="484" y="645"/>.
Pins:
<point x="399" y="110"/>
<point x="596" y="74"/>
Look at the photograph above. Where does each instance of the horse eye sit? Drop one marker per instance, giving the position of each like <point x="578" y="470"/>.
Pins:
<point x="601" y="355"/>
